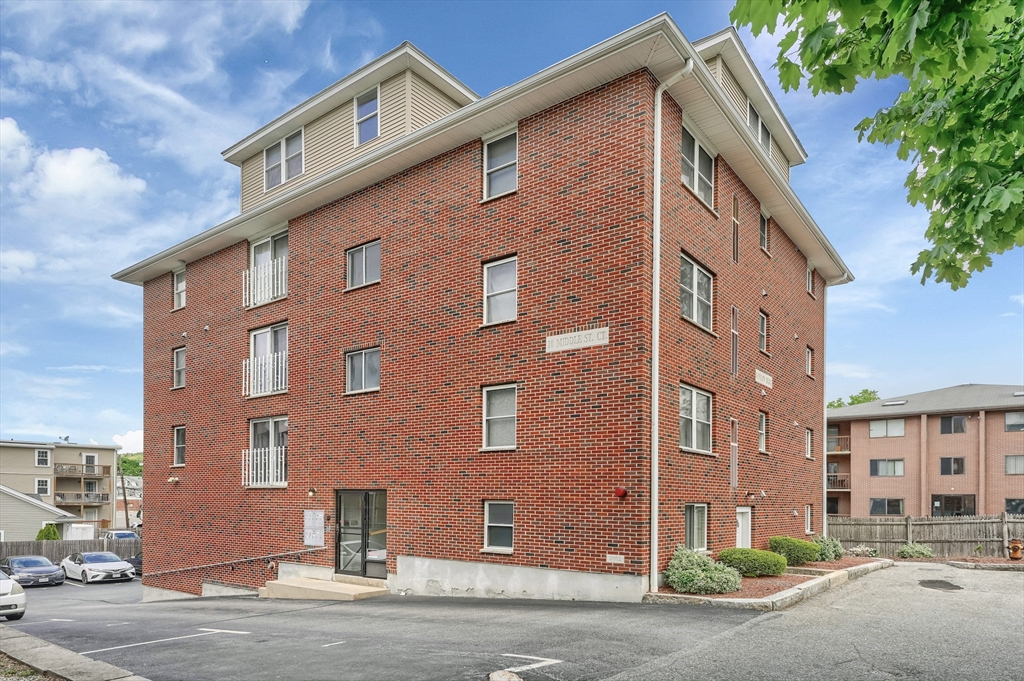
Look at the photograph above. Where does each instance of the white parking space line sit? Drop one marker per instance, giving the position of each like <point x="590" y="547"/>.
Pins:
<point x="206" y="632"/>
<point x="73" y="584"/>
<point x="543" y="662"/>
<point x="25" y="624"/>
<point x="118" y="624"/>
<point x="328" y="645"/>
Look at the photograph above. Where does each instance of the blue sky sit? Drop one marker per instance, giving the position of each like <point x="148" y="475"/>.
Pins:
<point x="114" y="116"/>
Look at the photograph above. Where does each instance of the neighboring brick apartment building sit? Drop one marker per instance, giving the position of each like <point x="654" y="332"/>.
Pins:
<point x="75" y="478"/>
<point x="434" y="322"/>
<point x="953" y="451"/>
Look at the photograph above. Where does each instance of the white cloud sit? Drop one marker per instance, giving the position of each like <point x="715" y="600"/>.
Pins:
<point x="95" y="368"/>
<point x="16" y="264"/>
<point x="11" y="348"/>
<point x="1010" y="314"/>
<point x="845" y="370"/>
<point x="1019" y="298"/>
<point x="130" y="442"/>
<point x="15" y="148"/>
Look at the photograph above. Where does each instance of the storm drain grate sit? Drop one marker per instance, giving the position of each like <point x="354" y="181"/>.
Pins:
<point x="939" y="584"/>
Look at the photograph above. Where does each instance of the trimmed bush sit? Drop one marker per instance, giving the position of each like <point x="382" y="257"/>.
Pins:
<point x="796" y="551"/>
<point x="753" y="562"/>
<point x="863" y="551"/>
<point x="913" y="550"/>
<point x="693" y="573"/>
<point x="48" y="532"/>
<point x="828" y="548"/>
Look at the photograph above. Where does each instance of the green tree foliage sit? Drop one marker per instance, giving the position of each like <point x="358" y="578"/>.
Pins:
<point x="863" y="396"/>
<point x="132" y="464"/>
<point x="48" y="533"/>
<point x="961" y="119"/>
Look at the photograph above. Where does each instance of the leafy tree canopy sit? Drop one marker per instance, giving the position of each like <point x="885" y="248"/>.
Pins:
<point x="132" y="464"/>
<point x="863" y="396"/>
<point x="961" y="119"/>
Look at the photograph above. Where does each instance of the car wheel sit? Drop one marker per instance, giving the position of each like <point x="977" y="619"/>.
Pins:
<point x="84" y="577"/>
<point x="15" y="617"/>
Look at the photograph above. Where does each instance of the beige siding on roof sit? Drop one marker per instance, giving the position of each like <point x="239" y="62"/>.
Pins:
<point x="427" y="103"/>
<point x="735" y="92"/>
<point x="713" y="65"/>
<point x="779" y="159"/>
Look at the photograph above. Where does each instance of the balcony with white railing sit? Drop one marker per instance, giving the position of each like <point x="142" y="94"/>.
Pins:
<point x="265" y="374"/>
<point x="264" y="283"/>
<point x="265" y="467"/>
<point x="839" y="482"/>
<point x="82" y="498"/>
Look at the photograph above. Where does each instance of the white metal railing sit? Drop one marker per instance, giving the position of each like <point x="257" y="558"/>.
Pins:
<point x="265" y="375"/>
<point x="266" y="282"/>
<point x="265" y="467"/>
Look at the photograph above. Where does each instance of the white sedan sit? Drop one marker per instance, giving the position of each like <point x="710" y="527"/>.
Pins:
<point x="12" y="598"/>
<point x="98" y="566"/>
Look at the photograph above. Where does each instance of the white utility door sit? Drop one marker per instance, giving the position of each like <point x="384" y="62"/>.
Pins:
<point x="743" y="527"/>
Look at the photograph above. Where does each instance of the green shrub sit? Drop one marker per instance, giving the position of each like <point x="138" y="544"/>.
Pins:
<point x="863" y="551"/>
<point x="692" y="573"/>
<point x="913" y="550"/>
<point x="828" y="548"/>
<point x="796" y="551"/>
<point x="49" y="532"/>
<point x="753" y="562"/>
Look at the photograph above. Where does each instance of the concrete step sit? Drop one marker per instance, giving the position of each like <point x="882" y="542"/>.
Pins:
<point x="362" y="581"/>
<point x="319" y="590"/>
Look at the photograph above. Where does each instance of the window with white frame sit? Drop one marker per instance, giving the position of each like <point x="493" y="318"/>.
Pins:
<point x="266" y="370"/>
<point x="501" y="296"/>
<point x="367" y="110"/>
<point x="501" y="165"/>
<point x="1014" y="464"/>
<point x="886" y="507"/>
<point x="179" y="367"/>
<point x="364" y="264"/>
<point x="762" y="432"/>
<point x="810" y="279"/>
<point x="267" y="276"/>
<point x="694" y="419"/>
<point x="1013" y="421"/>
<point x="179" y="289"/>
<point x="179" y="446"/>
<point x="266" y="464"/>
<point x="362" y="370"/>
<point x="696" y="285"/>
<point x="765" y="237"/>
<point x="43" y="487"/>
<point x="757" y="126"/>
<point x="735" y="228"/>
<point x="762" y="331"/>
<point x="282" y="161"/>
<point x="91" y="486"/>
<point x="885" y="468"/>
<point x="696" y="529"/>
<point x="886" y="428"/>
<point x="500" y="417"/>
<point x="808" y="520"/>
<point x="698" y="168"/>
<point x="42" y="457"/>
<point x="809" y="442"/>
<point x="734" y="359"/>
<point x="809" y="361"/>
<point x="498" y="525"/>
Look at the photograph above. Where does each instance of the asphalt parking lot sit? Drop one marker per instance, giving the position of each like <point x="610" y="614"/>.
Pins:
<point x="885" y="625"/>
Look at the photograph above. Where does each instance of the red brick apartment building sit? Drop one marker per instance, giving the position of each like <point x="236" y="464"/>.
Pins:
<point x="437" y="343"/>
<point x="953" y="451"/>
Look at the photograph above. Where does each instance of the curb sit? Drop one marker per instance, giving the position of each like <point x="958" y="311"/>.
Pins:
<point x="1006" y="567"/>
<point x="783" y="599"/>
<point x="56" y="662"/>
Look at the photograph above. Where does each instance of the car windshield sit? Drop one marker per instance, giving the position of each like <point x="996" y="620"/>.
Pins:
<point x="124" y="535"/>
<point x="104" y="557"/>
<point x="31" y="561"/>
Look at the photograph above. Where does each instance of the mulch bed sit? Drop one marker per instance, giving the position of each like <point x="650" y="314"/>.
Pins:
<point x="841" y="564"/>
<point x="986" y="560"/>
<point x="753" y="587"/>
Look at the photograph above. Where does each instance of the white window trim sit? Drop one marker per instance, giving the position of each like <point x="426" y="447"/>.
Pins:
<point x="349" y="286"/>
<point x="487" y="266"/>
<point x="1017" y="459"/>
<point x="693" y="419"/>
<point x="708" y="149"/>
<point x="693" y="291"/>
<point x="515" y="419"/>
<point x="175" y="368"/>
<point x="95" y="458"/>
<point x="49" y="487"/>
<point x="487" y="523"/>
<point x="809" y="361"/>
<point x="262" y="239"/>
<point x="762" y="432"/>
<point x="361" y="352"/>
<point x="270" y="421"/>
<point x="809" y="443"/>
<point x="174" y="288"/>
<point x="762" y="331"/>
<point x="284" y="160"/>
<point x="757" y="131"/>
<point x="1006" y="424"/>
<point x="356" y="120"/>
<point x="704" y="539"/>
<point x="734" y="350"/>
<point x="808" y="519"/>
<point x="887" y="422"/>
<point x="174" y="446"/>
<point x="810" y="280"/>
<point x="767" y="245"/>
<point x="49" y="458"/>
<point x="486" y="140"/>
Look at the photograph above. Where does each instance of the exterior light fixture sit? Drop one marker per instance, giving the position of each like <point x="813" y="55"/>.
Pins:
<point x="312" y="492"/>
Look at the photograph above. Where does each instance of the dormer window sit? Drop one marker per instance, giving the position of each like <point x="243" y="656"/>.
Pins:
<point x="367" y="116"/>
<point x="282" y="161"/>
<point x="758" y="127"/>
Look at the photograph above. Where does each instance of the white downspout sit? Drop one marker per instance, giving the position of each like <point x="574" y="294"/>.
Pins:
<point x="656" y="319"/>
<point x="824" y="423"/>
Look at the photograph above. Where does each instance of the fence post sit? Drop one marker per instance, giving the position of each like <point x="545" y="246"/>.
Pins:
<point x="910" y="530"/>
<point x="1006" y="536"/>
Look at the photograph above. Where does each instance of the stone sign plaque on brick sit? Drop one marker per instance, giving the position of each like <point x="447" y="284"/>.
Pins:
<point x="314" y="533"/>
<point x="763" y="378"/>
<point x="575" y="340"/>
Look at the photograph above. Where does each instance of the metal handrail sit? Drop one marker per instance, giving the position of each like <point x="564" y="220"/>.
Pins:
<point x="265" y="467"/>
<point x="265" y="374"/>
<point x="264" y="283"/>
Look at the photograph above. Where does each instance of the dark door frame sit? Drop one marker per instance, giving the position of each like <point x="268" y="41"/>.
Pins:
<point x="364" y="527"/>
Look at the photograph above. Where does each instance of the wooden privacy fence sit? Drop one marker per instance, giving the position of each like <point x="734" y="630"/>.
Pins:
<point x="58" y="550"/>
<point x="945" y="536"/>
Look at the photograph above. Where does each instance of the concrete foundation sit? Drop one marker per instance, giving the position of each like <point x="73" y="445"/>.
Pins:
<point x="212" y="589"/>
<point x="303" y="571"/>
<point x="151" y="594"/>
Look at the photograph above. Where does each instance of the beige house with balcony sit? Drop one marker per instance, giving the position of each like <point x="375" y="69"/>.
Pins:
<point x="948" y="452"/>
<point x="78" y="479"/>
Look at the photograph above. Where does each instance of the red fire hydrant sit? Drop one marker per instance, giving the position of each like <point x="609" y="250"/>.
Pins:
<point x="1015" y="547"/>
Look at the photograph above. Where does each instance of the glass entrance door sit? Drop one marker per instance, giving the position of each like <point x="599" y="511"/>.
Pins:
<point x="362" y="533"/>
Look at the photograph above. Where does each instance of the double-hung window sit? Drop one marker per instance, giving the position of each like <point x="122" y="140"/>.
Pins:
<point x="1014" y="464"/>
<point x="809" y="361"/>
<point x="808" y="519"/>
<point x="883" y="468"/>
<point x="762" y="432"/>
<point x="762" y="331"/>
<point x="43" y="457"/>
<point x="266" y="370"/>
<point x="282" y="161"/>
<point x="267" y="277"/>
<point x="498" y="526"/>
<point x="809" y="443"/>
<point x="179" y="367"/>
<point x="179" y="446"/>
<point x="1013" y="421"/>
<point x="764" y="236"/>
<point x="735" y="228"/>
<point x="501" y="297"/>
<point x="367" y="119"/>
<point x="696" y="293"/>
<point x="179" y="289"/>
<point x="362" y="370"/>
<point x="810" y="279"/>
<point x="757" y="126"/>
<point x="501" y="166"/>
<point x="694" y="419"/>
<point x="886" y="428"/>
<point x="698" y="168"/>
<point x="267" y="462"/>
<point x="951" y="425"/>
<point x="43" y="487"/>
<point x="500" y="417"/>
<point x="696" y="526"/>
<point x="952" y="465"/>
<point x="364" y="264"/>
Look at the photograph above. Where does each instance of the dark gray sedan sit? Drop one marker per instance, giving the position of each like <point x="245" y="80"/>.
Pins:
<point x="32" y="570"/>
